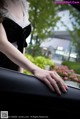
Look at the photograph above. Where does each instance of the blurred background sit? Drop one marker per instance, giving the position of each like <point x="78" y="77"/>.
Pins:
<point x="55" y="37"/>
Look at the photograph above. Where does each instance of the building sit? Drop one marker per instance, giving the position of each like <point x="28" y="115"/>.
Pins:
<point x="59" y="45"/>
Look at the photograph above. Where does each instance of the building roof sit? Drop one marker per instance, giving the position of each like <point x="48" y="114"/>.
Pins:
<point x="55" y="43"/>
<point x="62" y="35"/>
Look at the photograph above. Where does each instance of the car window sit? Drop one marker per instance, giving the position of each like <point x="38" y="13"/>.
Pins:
<point x="64" y="43"/>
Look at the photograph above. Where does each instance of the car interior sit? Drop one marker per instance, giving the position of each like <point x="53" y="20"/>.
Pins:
<point x="22" y="94"/>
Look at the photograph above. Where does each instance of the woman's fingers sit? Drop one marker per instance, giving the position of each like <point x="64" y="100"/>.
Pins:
<point x="62" y="86"/>
<point x="59" y="81"/>
<point x="49" y="84"/>
<point x="52" y="80"/>
<point x="54" y="84"/>
<point x="62" y="81"/>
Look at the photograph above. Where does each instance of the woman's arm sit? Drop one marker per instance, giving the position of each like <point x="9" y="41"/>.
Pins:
<point x="52" y="79"/>
<point x="21" y="70"/>
<point x="13" y="54"/>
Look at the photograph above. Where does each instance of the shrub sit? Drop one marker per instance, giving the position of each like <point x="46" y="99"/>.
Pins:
<point x="42" y="62"/>
<point x="66" y="73"/>
<point x="72" y="65"/>
<point x="39" y="61"/>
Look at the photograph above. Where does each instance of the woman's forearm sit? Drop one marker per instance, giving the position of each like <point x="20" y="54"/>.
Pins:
<point x="50" y="78"/>
<point x="14" y="54"/>
<point x="17" y="57"/>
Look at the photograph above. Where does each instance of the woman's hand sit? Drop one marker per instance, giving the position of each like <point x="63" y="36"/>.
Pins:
<point x="52" y="79"/>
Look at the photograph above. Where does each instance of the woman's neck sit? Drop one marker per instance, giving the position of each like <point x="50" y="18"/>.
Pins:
<point x="15" y="7"/>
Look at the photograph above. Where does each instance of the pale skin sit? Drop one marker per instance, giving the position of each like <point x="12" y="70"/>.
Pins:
<point x="50" y="78"/>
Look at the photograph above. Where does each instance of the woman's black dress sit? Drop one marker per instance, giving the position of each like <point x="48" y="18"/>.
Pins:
<point x="15" y="33"/>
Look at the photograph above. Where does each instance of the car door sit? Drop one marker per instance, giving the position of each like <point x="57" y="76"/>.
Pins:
<point x="23" y="93"/>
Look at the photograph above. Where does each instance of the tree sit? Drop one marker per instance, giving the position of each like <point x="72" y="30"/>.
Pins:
<point x="42" y="14"/>
<point x="75" y="20"/>
<point x="43" y="17"/>
<point x="76" y="34"/>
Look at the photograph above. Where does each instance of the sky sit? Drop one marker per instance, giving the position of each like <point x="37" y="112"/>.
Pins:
<point x="65" y="19"/>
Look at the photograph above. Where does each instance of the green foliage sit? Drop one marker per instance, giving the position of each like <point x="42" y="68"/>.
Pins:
<point x="74" y="16"/>
<point x="34" y="50"/>
<point x="43" y="17"/>
<point x="39" y="61"/>
<point x="73" y="65"/>
<point x="76" y="34"/>
<point x="42" y="62"/>
<point x="30" y="57"/>
<point x="27" y="72"/>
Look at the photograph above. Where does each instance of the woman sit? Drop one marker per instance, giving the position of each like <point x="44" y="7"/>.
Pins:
<point x="14" y="29"/>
